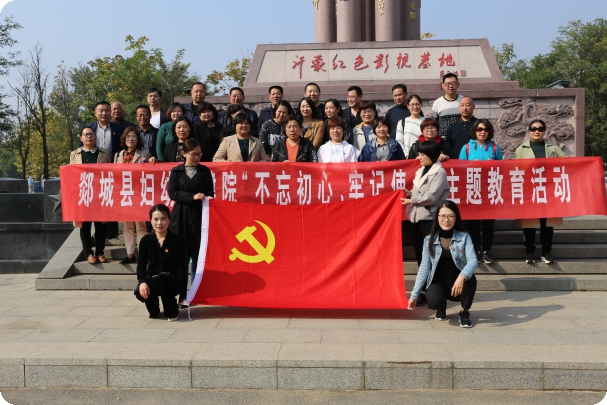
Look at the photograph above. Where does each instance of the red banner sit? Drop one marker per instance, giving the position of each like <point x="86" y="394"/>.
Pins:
<point x="505" y="189"/>
<point x="321" y="256"/>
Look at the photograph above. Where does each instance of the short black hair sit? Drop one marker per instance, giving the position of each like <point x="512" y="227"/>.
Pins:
<point x="204" y="106"/>
<point x="143" y="106"/>
<point x="537" y="120"/>
<point x="448" y="75"/>
<point x="430" y="149"/>
<point x="87" y="127"/>
<point x="236" y="88"/>
<point x="382" y="121"/>
<point x="103" y="102"/>
<point x="277" y="88"/>
<point x="400" y="86"/>
<point x="154" y="89"/>
<point x="358" y="90"/>
<point x="312" y="84"/>
<point x="293" y="117"/>
<point x="199" y="84"/>
<point x="240" y="117"/>
<point x="174" y="127"/>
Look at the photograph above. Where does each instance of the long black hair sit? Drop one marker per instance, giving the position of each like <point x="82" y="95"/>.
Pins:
<point x="436" y="225"/>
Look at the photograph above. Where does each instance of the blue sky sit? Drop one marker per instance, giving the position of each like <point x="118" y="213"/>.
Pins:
<point x="215" y="32"/>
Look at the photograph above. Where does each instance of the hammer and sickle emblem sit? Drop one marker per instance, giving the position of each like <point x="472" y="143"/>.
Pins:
<point x="264" y="254"/>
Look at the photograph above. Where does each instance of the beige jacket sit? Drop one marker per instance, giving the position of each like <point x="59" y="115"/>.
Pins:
<point x="229" y="150"/>
<point x="315" y="133"/>
<point x="76" y="156"/>
<point x="141" y="156"/>
<point x="428" y="192"/>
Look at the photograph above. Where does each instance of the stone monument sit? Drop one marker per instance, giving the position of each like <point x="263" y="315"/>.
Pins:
<point x="375" y="44"/>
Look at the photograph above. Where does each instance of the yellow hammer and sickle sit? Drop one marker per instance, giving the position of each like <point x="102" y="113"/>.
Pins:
<point x="263" y="253"/>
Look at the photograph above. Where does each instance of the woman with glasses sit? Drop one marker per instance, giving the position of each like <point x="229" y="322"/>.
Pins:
<point x="447" y="267"/>
<point x="189" y="184"/>
<point x="363" y="132"/>
<point x="272" y="131"/>
<point x="132" y="152"/>
<point x="240" y="147"/>
<point x="429" y="128"/>
<point x="430" y="187"/>
<point x="382" y="148"/>
<point x="537" y="147"/>
<point x="408" y="129"/>
<point x="481" y="147"/>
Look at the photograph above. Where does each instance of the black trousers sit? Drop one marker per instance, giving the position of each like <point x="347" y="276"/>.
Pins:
<point x="165" y="286"/>
<point x="474" y="228"/>
<point x="419" y="231"/>
<point x="546" y="233"/>
<point x="87" y="240"/>
<point x="440" y="291"/>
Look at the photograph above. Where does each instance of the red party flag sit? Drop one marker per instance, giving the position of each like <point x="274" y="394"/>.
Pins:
<point x="336" y="255"/>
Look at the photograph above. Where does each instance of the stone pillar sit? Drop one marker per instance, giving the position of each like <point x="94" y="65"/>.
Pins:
<point x="348" y="20"/>
<point x="387" y="20"/>
<point x="324" y="21"/>
<point x="368" y="20"/>
<point x="410" y="13"/>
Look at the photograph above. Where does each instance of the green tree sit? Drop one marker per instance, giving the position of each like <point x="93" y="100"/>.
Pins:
<point x="66" y="105"/>
<point x="578" y="55"/>
<point x="7" y="62"/>
<point x="128" y="79"/>
<point x="233" y="75"/>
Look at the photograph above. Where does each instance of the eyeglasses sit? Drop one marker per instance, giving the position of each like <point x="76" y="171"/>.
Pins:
<point x="88" y="135"/>
<point x="195" y="154"/>
<point x="540" y="129"/>
<point x="367" y="112"/>
<point x="450" y="84"/>
<point x="442" y="217"/>
<point x="130" y="137"/>
<point x="430" y="128"/>
<point x="415" y="105"/>
<point x="479" y="129"/>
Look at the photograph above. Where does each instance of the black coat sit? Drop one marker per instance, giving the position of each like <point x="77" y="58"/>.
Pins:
<point x="305" y="152"/>
<point x="186" y="216"/>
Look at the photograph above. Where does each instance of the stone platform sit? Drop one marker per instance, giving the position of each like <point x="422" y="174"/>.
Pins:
<point x="545" y="340"/>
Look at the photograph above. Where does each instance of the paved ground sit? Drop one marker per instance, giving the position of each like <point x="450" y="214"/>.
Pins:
<point x="520" y="340"/>
<point x="254" y="397"/>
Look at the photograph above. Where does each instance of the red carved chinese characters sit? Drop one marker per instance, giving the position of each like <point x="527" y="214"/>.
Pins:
<point x="341" y="65"/>
<point x="448" y="60"/>
<point x="425" y="63"/>
<point x="298" y="63"/>
<point x="318" y="63"/>
<point x="358" y="63"/>
<point x="402" y="61"/>
<point x="379" y="61"/>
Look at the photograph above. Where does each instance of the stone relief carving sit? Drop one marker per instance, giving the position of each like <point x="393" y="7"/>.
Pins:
<point x="511" y="127"/>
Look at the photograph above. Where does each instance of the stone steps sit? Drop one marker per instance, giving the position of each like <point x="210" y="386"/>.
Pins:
<point x="510" y="267"/>
<point x="565" y="236"/>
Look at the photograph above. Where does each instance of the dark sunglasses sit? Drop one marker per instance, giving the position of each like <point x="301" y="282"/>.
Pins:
<point x="481" y="129"/>
<point x="540" y="129"/>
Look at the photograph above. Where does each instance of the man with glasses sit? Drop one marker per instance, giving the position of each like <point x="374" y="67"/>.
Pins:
<point x="88" y="153"/>
<point x="146" y="130"/>
<point x="458" y="133"/>
<point x="446" y="108"/>
<point x="237" y="97"/>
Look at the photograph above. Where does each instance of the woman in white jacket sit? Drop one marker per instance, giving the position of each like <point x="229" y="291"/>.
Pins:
<point x="336" y="150"/>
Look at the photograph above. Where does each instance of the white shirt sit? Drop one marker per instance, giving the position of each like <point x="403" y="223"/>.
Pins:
<point x="407" y="135"/>
<point x="155" y="120"/>
<point x="336" y="153"/>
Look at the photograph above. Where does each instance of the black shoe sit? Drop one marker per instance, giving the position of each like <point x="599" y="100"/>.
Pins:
<point x="487" y="258"/>
<point x="441" y="314"/>
<point x="128" y="260"/>
<point x="421" y="300"/>
<point x="530" y="258"/>
<point x="547" y="258"/>
<point x="464" y="319"/>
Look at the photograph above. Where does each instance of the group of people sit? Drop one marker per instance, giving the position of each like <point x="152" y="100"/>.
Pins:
<point x="313" y="132"/>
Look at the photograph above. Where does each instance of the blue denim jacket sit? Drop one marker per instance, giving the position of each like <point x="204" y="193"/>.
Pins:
<point x="463" y="254"/>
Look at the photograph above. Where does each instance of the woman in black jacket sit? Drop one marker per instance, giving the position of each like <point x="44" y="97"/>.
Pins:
<point x="293" y="147"/>
<point x="182" y="131"/>
<point x="189" y="184"/>
<point x="160" y="266"/>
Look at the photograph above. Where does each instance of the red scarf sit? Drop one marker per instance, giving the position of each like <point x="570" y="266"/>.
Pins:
<point x="438" y="139"/>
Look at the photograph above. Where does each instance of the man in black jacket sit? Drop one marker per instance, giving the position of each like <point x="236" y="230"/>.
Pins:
<point x="146" y="130"/>
<point x="275" y="95"/>
<point x="458" y="133"/>
<point x="237" y="97"/>
<point x="107" y="133"/>
<point x="154" y="99"/>
<point x="117" y="114"/>
<point x="198" y="92"/>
